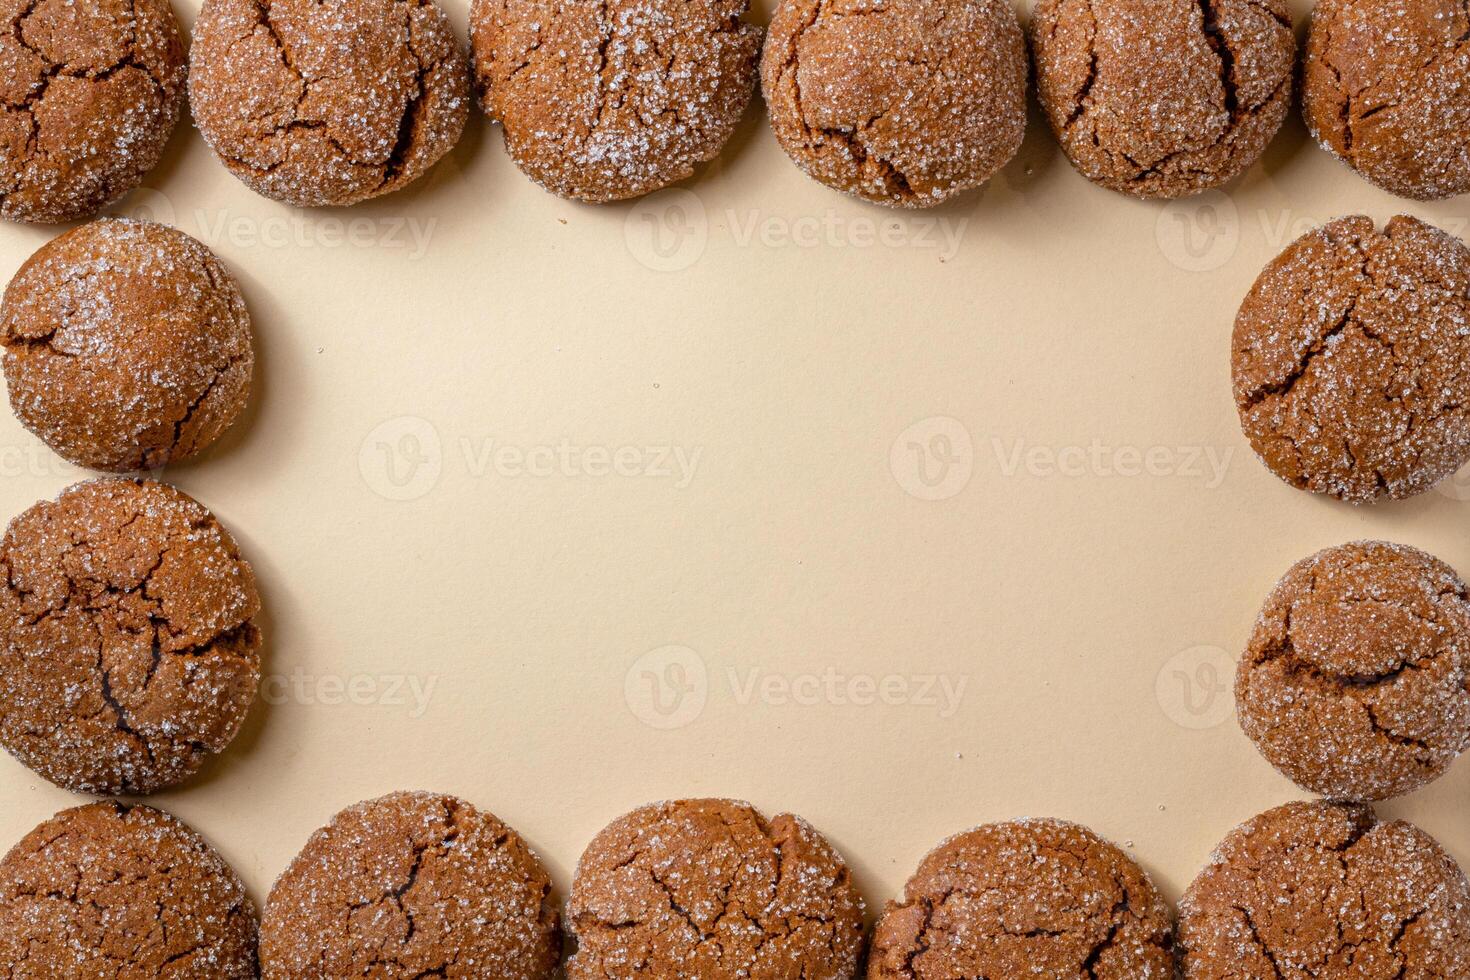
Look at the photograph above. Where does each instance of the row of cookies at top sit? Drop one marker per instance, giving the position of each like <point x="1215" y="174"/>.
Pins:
<point x="904" y="102"/>
<point x="413" y="885"/>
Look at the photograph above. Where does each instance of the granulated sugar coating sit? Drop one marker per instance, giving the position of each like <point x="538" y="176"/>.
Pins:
<point x="1386" y="87"/>
<point x="127" y="345"/>
<point x="89" y="93"/>
<point x="327" y="102"/>
<point x="1029" y="898"/>
<point x="127" y="652"/>
<point x="607" y="100"/>
<point x="412" y="885"/>
<point x="115" y="892"/>
<point x="1351" y="360"/>
<point x="1324" y="891"/>
<point x="1356" y="683"/>
<point x="901" y="102"/>
<point x="710" y="890"/>
<point x="1163" y="98"/>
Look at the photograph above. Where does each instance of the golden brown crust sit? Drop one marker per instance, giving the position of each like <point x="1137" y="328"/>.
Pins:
<point x="709" y="890"/>
<point x="611" y="100"/>
<point x="900" y="102"/>
<point x="128" y="652"/>
<point x="1384" y="89"/>
<point x="109" y="891"/>
<point x="89" y="93"/>
<point x="327" y="103"/>
<point x="1163" y="98"/>
<point x="1351" y="360"/>
<point x="1356" y="682"/>
<point x="1324" y="891"/>
<point x="127" y="345"/>
<point x="1021" y="899"/>
<point x="412" y="885"/>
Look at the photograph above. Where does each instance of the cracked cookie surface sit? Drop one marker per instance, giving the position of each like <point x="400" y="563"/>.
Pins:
<point x="115" y="892"/>
<point x="1324" y="891"/>
<point x="1384" y="89"/>
<point x="129" y="654"/>
<point x="608" y="100"/>
<point x="89" y="93"/>
<point x="711" y="890"/>
<point x="1025" y="898"/>
<point x="127" y="345"/>
<point x="1163" y="98"/>
<point x="1356" y="682"/>
<point x="900" y="102"/>
<point x="412" y="885"/>
<point x="1351" y="360"/>
<point x="327" y="102"/>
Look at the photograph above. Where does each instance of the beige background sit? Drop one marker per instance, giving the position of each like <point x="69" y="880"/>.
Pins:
<point x="1081" y="601"/>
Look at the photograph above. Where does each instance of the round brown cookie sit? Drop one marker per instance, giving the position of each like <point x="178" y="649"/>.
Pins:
<point x="1323" y="891"/>
<point x="127" y="652"/>
<point x="1351" y="360"/>
<point x="606" y="101"/>
<point x="1384" y="88"/>
<point x="1021" y="899"/>
<point x="1163" y="98"/>
<point x="711" y="890"/>
<point x="1356" y="683"/>
<point x="905" y="102"/>
<point x="327" y="102"/>
<point x="89" y="94"/>
<point x="110" y="890"/>
<point x="127" y="345"/>
<point x="412" y="885"/>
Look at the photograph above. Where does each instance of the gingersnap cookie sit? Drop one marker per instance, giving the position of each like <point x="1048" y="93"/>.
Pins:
<point x="1022" y="899"/>
<point x="1384" y="89"/>
<point x="327" y="102"/>
<point x="112" y="890"/>
<point x="88" y="97"/>
<point x="904" y="103"/>
<point x="412" y="885"/>
<point x="128" y="655"/>
<point x="1325" y="891"/>
<point x="1356" y="683"/>
<point x="1349" y="360"/>
<point x="1163" y="98"/>
<point x="607" y="101"/>
<point x="711" y="890"/>
<point x="126" y="345"/>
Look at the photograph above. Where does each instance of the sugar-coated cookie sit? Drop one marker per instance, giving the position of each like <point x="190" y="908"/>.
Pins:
<point x="412" y="885"/>
<point x="711" y="890"/>
<point x="127" y="345"/>
<point x="112" y="891"/>
<point x="128" y="649"/>
<point x="1028" y="898"/>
